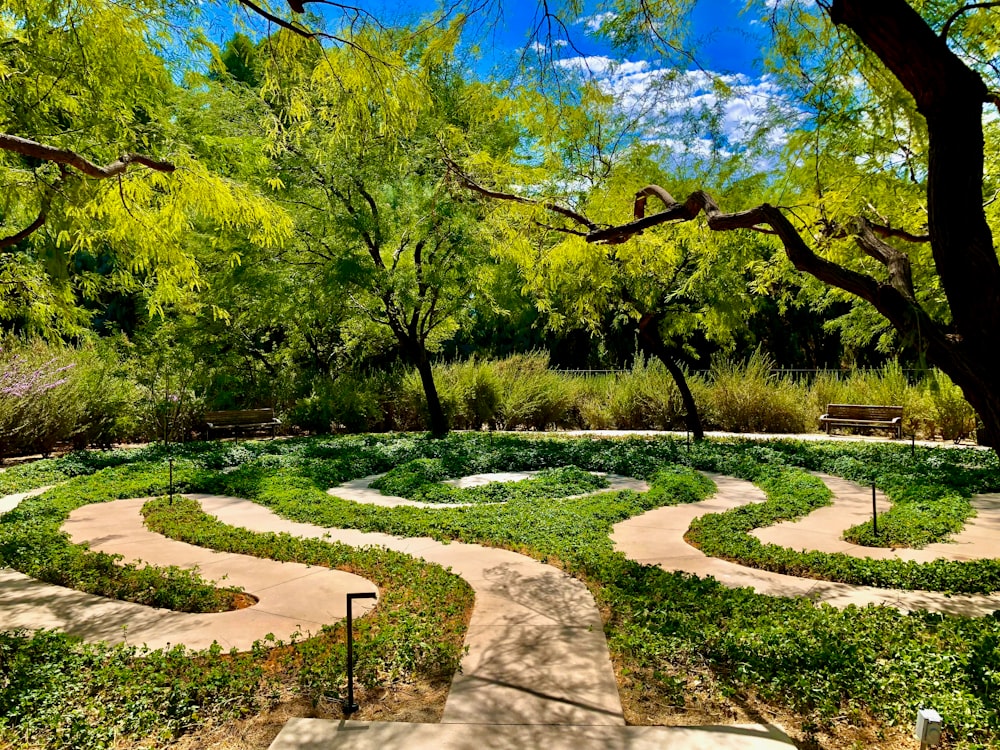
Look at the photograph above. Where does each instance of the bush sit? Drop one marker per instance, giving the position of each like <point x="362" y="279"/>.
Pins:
<point x="749" y="398"/>
<point x="348" y="402"/>
<point x="532" y="396"/>
<point x="646" y="398"/>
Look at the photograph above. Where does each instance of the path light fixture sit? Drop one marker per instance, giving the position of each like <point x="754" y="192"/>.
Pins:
<point x="874" y="512"/>
<point x="928" y="727"/>
<point x="350" y="706"/>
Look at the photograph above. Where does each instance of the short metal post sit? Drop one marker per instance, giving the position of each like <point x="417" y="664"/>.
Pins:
<point x="171" y="481"/>
<point x="350" y="707"/>
<point x="874" y="512"/>
<point x="913" y="444"/>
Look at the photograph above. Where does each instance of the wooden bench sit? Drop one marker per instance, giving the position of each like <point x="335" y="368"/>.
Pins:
<point x="242" y="419"/>
<point x="861" y="415"/>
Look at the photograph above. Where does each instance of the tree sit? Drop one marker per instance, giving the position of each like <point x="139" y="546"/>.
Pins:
<point x="355" y="140"/>
<point x="673" y="294"/>
<point x="949" y="96"/>
<point x="103" y="191"/>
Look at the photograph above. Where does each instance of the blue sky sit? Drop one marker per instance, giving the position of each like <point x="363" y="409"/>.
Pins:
<point x="727" y="41"/>
<point x="728" y="48"/>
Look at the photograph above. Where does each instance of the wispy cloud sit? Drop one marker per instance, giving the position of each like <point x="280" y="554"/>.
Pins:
<point x="737" y="105"/>
<point x="594" y="23"/>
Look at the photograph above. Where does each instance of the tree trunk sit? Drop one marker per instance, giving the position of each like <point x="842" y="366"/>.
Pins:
<point x="652" y="343"/>
<point x="438" y="421"/>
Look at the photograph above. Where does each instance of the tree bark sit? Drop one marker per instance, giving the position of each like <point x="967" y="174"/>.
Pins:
<point x="652" y="342"/>
<point x="437" y="418"/>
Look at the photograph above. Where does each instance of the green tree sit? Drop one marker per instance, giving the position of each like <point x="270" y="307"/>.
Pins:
<point x="356" y="135"/>
<point x="102" y="188"/>
<point x="669" y="292"/>
<point x="878" y="64"/>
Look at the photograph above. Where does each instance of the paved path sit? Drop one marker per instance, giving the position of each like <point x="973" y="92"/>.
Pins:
<point x="657" y="538"/>
<point x="361" y="491"/>
<point x="291" y="597"/>
<point x="317" y="734"/>
<point x="536" y="647"/>
<point x="852" y="504"/>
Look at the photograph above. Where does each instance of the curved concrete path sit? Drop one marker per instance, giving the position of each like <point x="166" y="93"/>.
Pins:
<point x="292" y="598"/>
<point x="536" y="647"/>
<point x="821" y="530"/>
<point x="537" y="672"/>
<point x="361" y="491"/>
<point x="657" y="538"/>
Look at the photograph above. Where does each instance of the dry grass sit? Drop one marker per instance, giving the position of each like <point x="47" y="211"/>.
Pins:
<point x="419" y="703"/>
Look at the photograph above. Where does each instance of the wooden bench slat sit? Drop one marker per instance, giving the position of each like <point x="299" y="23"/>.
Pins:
<point x="864" y="415"/>
<point x="242" y="418"/>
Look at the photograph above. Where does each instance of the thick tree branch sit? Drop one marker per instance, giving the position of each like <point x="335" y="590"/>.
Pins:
<point x="471" y="184"/>
<point x="895" y="300"/>
<point x="33" y="227"/>
<point x="26" y="147"/>
<point x="896" y="261"/>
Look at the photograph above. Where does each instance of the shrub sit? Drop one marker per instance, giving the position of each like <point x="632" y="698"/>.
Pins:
<point x="646" y="398"/>
<point x="749" y="398"/>
<point x="532" y="396"/>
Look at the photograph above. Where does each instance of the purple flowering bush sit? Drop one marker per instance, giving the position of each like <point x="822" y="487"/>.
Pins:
<point x="52" y="394"/>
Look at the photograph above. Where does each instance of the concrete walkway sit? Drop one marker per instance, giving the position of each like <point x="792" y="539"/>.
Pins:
<point x="536" y="647"/>
<point x="361" y="491"/>
<point x="317" y="734"/>
<point x="537" y="672"/>
<point x="821" y="530"/>
<point x="657" y="538"/>
<point x="292" y="598"/>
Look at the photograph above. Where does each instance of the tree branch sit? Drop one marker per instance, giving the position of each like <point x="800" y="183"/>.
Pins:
<point x="895" y="300"/>
<point x="33" y="227"/>
<point x="471" y="184"/>
<point x="26" y="147"/>
<point x="958" y="13"/>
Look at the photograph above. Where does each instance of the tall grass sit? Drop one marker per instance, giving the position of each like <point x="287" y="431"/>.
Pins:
<point x="748" y="397"/>
<point x="521" y="393"/>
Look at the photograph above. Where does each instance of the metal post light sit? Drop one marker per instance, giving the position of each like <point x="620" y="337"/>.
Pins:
<point x="350" y="707"/>
<point x="171" y="481"/>
<point x="874" y="512"/>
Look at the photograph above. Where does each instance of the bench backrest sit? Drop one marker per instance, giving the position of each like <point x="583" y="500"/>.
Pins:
<point x="240" y="417"/>
<point x="863" y="411"/>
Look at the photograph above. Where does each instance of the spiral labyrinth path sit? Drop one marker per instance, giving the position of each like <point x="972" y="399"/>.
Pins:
<point x="537" y="672"/>
<point x="657" y="538"/>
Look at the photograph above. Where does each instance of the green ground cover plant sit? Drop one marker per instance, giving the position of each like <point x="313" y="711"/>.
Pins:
<point x="670" y="633"/>
<point x="793" y="493"/>
<point x="420" y="480"/>
<point x="32" y="543"/>
<point x="58" y="693"/>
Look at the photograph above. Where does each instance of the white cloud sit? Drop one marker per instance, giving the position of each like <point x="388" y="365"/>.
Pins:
<point x="658" y="97"/>
<point x="595" y="22"/>
<point x="540" y="48"/>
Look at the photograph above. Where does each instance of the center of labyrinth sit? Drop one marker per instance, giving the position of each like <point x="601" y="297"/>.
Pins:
<point x="536" y="653"/>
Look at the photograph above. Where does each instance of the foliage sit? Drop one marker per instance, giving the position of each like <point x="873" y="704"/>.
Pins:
<point x="90" y="77"/>
<point x="750" y="398"/>
<point x="405" y="479"/>
<point x="420" y="480"/>
<point x="670" y="632"/>
<point x="56" y="692"/>
<point x="31" y="542"/>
